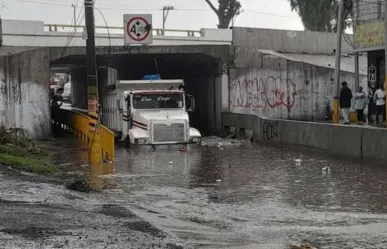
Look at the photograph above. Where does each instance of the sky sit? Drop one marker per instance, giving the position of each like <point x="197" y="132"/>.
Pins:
<point x="188" y="14"/>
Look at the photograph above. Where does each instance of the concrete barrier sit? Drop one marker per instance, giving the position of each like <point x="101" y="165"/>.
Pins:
<point x="356" y="141"/>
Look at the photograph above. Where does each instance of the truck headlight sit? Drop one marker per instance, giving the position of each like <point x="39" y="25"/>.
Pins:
<point x="142" y="141"/>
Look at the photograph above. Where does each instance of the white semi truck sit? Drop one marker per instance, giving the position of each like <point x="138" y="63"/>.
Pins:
<point x="150" y="112"/>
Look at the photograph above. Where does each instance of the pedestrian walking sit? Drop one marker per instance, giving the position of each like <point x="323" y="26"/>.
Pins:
<point x="380" y="99"/>
<point x="360" y="104"/>
<point x="345" y="101"/>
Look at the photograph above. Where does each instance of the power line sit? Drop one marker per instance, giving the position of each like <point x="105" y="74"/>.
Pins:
<point x="191" y="1"/>
<point x="153" y="9"/>
<point x="107" y="27"/>
<point x="4" y="6"/>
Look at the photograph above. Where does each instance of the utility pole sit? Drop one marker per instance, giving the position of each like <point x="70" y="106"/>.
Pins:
<point x="95" y="152"/>
<point x="92" y="79"/>
<point x="385" y="52"/>
<point x="336" y="105"/>
<point x="166" y="10"/>
<point x="357" y="79"/>
<point x="74" y="16"/>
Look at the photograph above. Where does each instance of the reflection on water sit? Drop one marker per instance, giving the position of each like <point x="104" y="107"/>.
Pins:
<point x="215" y="196"/>
<point x="73" y="155"/>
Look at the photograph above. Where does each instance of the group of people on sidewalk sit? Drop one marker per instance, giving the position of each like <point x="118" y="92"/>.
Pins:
<point x="373" y="103"/>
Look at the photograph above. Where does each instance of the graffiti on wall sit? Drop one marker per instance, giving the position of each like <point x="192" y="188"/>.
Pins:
<point x="269" y="92"/>
<point x="270" y="129"/>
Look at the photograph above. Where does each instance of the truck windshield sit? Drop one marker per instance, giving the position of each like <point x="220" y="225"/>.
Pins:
<point x="157" y="100"/>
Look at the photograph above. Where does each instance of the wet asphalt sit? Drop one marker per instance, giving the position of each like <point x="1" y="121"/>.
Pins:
<point x="222" y="194"/>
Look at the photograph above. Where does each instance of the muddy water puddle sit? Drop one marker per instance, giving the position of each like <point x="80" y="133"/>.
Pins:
<point x="229" y="194"/>
<point x="234" y="194"/>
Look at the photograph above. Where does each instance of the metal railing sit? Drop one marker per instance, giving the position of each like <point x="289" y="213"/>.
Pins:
<point x="120" y="30"/>
<point x="82" y="126"/>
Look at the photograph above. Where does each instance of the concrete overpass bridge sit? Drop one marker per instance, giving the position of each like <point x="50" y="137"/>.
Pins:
<point x="213" y="64"/>
<point x="37" y="34"/>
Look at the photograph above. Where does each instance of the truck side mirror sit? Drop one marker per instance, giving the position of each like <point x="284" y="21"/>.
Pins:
<point x="190" y="103"/>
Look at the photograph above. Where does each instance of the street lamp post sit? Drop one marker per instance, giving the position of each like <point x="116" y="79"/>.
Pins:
<point x="166" y="10"/>
<point x="336" y="105"/>
<point x="75" y="16"/>
<point x="385" y="52"/>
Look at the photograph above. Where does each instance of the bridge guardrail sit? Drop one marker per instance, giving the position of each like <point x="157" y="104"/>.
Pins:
<point x="80" y="125"/>
<point x="114" y="29"/>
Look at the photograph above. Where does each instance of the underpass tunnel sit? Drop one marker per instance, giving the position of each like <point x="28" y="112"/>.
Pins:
<point x="75" y="67"/>
<point x="200" y="72"/>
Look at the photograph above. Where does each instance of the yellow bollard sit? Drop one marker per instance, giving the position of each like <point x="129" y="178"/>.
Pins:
<point x="353" y="117"/>
<point x="336" y="110"/>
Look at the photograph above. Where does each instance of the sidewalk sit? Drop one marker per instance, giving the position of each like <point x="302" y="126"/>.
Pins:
<point x="364" y="125"/>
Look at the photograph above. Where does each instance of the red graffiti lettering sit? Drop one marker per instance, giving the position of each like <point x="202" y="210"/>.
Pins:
<point x="270" y="92"/>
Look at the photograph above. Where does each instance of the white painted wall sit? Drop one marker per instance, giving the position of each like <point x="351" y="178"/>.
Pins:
<point x="285" y="89"/>
<point x="288" y="40"/>
<point x="24" y="99"/>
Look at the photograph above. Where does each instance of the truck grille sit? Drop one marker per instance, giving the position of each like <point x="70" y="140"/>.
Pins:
<point x="168" y="133"/>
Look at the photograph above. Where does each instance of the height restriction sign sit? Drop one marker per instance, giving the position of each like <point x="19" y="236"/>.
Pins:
<point x="138" y="29"/>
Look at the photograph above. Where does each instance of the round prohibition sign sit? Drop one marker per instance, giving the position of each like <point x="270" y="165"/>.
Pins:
<point x="134" y="29"/>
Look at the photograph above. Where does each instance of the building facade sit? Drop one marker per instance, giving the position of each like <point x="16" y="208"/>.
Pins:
<point x="368" y="24"/>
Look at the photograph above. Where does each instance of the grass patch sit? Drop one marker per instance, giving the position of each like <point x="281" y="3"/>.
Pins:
<point x="27" y="163"/>
<point x="20" y="152"/>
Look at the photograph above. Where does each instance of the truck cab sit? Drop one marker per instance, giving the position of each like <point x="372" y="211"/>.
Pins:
<point x="155" y="112"/>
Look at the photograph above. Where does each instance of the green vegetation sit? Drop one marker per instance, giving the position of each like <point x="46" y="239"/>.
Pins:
<point x="18" y="151"/>
<point x="321" y="15"/>
<point x="226" y="11"/>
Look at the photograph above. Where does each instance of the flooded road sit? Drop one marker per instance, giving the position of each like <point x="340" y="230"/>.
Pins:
<point x="222" y="195"/>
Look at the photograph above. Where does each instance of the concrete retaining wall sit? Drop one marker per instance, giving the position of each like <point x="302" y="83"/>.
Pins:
<point x="338" y="139"/>
<point x="24" y="92"/>
<point x="284" y="89"/>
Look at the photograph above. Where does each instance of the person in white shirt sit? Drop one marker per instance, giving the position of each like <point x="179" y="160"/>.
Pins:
<point x="360" y="104"/>
<point x="380" y="99"/>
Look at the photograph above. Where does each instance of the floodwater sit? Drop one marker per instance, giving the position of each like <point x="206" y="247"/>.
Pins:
<point x="223" y="194"/>
<point x="229" y="195"/>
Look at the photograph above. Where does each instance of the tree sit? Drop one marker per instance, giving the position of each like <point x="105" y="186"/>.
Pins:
<point x="321" y="15"/>
<point x="226" y="11"/>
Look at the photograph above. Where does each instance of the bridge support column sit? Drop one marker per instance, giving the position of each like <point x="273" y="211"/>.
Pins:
<point x="79" y="88"/>
<point x="221" y="96"/>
